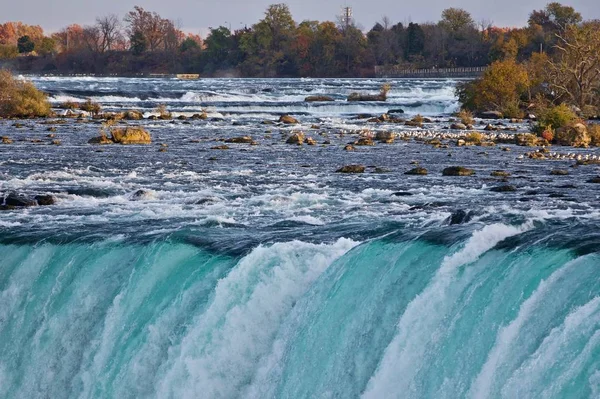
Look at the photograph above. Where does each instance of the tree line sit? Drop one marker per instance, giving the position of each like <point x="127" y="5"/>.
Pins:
<point x="277" y="46"/>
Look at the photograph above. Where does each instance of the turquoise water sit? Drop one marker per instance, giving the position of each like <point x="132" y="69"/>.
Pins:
<point x="383" y="318"/>
<point x="259" y="272"/>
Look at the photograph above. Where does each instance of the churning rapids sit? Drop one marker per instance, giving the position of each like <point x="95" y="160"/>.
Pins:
<point x="259" y="272"/>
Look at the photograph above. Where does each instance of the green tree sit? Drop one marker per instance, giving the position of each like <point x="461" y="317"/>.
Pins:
<point x="188" y="44"/>
<point x="415" y="40"/>
<point x="268" y="44"/>
<point x="137" y="43"/>
<point x="456" y="19"/>
<point x="25" y="44"/>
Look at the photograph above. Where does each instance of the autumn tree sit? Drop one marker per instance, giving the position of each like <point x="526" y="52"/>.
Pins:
<point x="501" y="88"/>
<point x="150" y="28"/>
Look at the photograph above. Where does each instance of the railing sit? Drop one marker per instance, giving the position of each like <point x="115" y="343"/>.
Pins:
<point x="400" y="72"/>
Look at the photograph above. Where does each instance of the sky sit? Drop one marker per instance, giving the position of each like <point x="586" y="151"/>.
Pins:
<point x="198" y="16"/>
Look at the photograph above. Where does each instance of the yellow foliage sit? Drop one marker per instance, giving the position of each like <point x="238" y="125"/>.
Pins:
<point x="501" y="87"/>
<point x="21" y="99"/>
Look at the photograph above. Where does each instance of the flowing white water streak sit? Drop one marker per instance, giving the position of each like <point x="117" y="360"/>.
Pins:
<point x="482" y="386"/>
<point x="403" y="357"/>
<point x="218" y="355"/>
<point x="531" y="376"/>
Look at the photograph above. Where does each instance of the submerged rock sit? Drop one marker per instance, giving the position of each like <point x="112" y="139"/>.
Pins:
<point x="500" y="173"/>
<point x="18" y="200"/>
<point x="102" y="139"/>
<point x="460" y="217"/>
<point x="240" y="140"/>
<point x="417" y="171"/>
<point x="352" y="169"/>
<point x="503" y="189"/>
<point x="559" y="172"/>
<point x="364" y="141"/>
<point x="457" y="171"/>
<point x="318" y="99"/>
<point x="45" y="200"/>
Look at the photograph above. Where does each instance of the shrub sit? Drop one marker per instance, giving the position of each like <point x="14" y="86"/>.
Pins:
<point x="21" y="99"/>
<point x="384" y="90"/>
<point x="466" y="117"/>
<point x="91" y="107"/>
<point x="418" y="118"/>
<point x="474" y="137"/>
<point x="163" y="112"/>
<point x="69" y="105"/>
<point x="548" y="134"/>
<point x="594" y="133"/>
<point x="555" y="117"/>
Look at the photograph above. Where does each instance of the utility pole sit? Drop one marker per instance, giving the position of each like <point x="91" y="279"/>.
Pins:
<point x="346" y="20"/>
<point x="346" y="16"/>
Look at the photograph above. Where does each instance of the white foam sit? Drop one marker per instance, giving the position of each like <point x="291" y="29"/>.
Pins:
<point x="418" y="325"/>
<point x="220" y="352"/>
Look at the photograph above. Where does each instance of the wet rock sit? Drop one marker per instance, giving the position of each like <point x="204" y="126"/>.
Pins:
<point x="559" y="172"/>
<point x="458" y="126"/>
<point x="457" y="171"/>
<point x="296" y="138"/>
<point x="130" y="135"/>
<point x="200" y="116"/>
<point x="45" y="200"/>
<point x="402" y="194"/>
<point x="460" y="217"/>
<point x="310" y="141"/>
<point x="352" y="169"/>
<point x="55" y="142"/>
<point x="100" y="140"/>
<point x="318" y="99"/>
<point x="364" y="141"/>
<point x="385" y="137"/>
<point x="133" y="115"/>
<point x="500" y="173"/>
<point x="18" y="200"/>
<point x="288" y="120"/>
<point x="396" y="111"/>
<point x="527" y="140"/>
<point x="419" y="171"/>
<point x="240" y="140"/>
<point x="6" y="140"/>
<point x="503" y="189"/>
<point x="490" y="115"/>
<point x="220" y="147"/>
<point x="595" y="180"/>
<point x="381" y="170"/>
<point x="142" y="194"/>
<point x="349" y="147"/>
